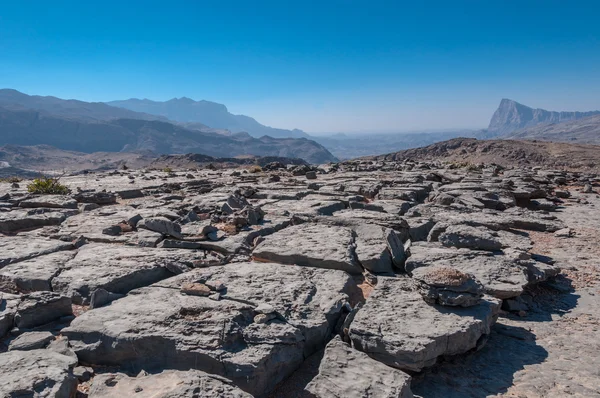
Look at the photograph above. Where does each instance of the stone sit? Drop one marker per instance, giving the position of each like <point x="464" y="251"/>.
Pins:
<point x="37" y="373"/>
<point x="587" y="188"/>
<point x="310" y="245"/>
<point x="98" y="198"/>
<point x="464" y="236"/>
<point x="157" y="327"/>
<point x="195" y="289"/>
<point x="40" y="308"/>
<point x="348" y="373"/>
<point x="114" y="230"/>
<point x="501" y="276"/>
<point x="264" y="308"/>
<point x="31" y="341"/>
<point x="101" y="297"/>
<point x="14" y="221"/>
<point x="49" y="201"/>
<point x="12" y="249"/>
<point x="311" y="175"/>
<point x="35" y="274"/>
<point x="162" y="225"/>
<point x="563" y="233"/>
<point x="264" y="318"/>
<point x="116" y="269"/>
<point x="372" y="248"/>
<point x="167" y="384"/>
<point x="83" y="373"/>
<point x="398" y="328"/>
<point x="8" y="308"/>
<point x="448" y="286"/>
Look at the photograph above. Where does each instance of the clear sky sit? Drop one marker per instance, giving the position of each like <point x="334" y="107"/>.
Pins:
<point x="322" y="66"/>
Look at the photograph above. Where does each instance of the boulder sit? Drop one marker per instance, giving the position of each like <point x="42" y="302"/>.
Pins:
<point x="311" y="245"/>
<point x="464" y="236"/>
<point x="448" y="286"/>
<point x="37" y="373"/>
<point x="35" y="274"/>
<point x="167" y="384"/>
<point x="398" y="328"/>
<point x="348" y="373"/>
<point x="162" y="225"/>
<point x="31" y="341"/>
<point x="158" y="327"/>
<point x="12" y="249"/>
<point x="40" y="308"/>
<point x="501" y="276"/>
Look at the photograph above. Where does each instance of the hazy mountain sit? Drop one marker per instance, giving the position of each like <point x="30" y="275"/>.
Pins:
<point x="511" y="116"/>
<point x="581" y="131"/>
<point x="15" y="100"/>
<point x="209" y="113"/>
<point x="32" y="127"/>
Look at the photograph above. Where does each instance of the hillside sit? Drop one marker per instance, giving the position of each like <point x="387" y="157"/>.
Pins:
<point x="507" y="153"/>
<point x="581" y="131"/>
<point x="511" y="116"/>
<point x="211" y="114"/>
<point x="15" y="100"/>
<point x="30" y="127"/>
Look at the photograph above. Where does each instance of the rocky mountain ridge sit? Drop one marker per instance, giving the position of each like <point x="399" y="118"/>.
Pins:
<point x="186" y="110"/>
<point x="511" y="116"/>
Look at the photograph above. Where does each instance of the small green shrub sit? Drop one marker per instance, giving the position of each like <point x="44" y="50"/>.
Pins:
<point x="168" y="170"/>
<point x="47" y="185"/>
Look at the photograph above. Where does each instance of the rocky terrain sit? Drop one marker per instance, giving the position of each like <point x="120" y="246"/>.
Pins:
<point x="376" y="277"/>
<point x="507" y="153"/>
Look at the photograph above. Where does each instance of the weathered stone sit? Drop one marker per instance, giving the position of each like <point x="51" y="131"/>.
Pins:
<point x="50" y="201"/>
<point x="311" y="245"/>
<point x="195" y="289"/>
<point x="447" y="286"/>
<point x="101" y="297"/>
<point x="117" y="269"/>
<point x="157" y="326"/>
<point x="167" y="384"/>
<point x="162" y="225"/>
<point x="37" y="373"/>
<point x="14" y="221"/>
<point x="39" y="308"/>
<point x="31" y="341"/>
<point x="502" y="277"/>
<point x="397" y="327"/>
<point x="464" y="236"/>
<point x="348" y="373"/>
<point x="35" y="274"/>
<point x="12" y="249"/>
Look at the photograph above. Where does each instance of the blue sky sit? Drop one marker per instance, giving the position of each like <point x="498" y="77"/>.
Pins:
<point x="322" y="66"/>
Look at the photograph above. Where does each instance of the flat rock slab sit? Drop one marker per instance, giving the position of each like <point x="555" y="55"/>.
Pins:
<point x="50" y="201"/>
<point x="311" y="245"/>
<point x="398" y="328"/>
<point x="14" y="249"/>
<point x="168" y="384"/>
<point x="35" y="274"/>
<point x="158" y="327"/>
<point x="40" y="308"/>
<point x="117" y="269"/>
<point x="348" y="373"/>
<point x="501" y="276"/>
<point x="31" y="341"/>
<point x="14" y="221"/>
<point x="37" y="373"/>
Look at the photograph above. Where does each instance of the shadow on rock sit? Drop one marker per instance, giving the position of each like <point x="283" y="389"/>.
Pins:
<point x="485" y="373"/>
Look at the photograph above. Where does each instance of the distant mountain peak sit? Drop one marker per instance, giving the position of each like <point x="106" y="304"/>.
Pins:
<point x="512" y="115"/>
<point x="212" y="114"/>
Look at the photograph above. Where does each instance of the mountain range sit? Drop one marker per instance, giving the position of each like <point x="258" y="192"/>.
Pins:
<point x="186" y="110"/>
<point x="94" y="126"/>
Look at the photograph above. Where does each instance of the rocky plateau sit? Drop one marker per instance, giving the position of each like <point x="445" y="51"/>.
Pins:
<point x="381" y="277"/>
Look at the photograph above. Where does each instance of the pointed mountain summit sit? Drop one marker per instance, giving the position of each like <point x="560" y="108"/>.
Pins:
<point x="511" y="116"/>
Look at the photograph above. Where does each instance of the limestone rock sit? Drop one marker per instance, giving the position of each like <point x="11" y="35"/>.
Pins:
<point x="398" y="328"/>
<point x="310" y="245"/>
<point x="167" y="384"/>
<point x="37" y="373"/>
<point x="348" y="373"/>
<point x="157" y="327"/>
